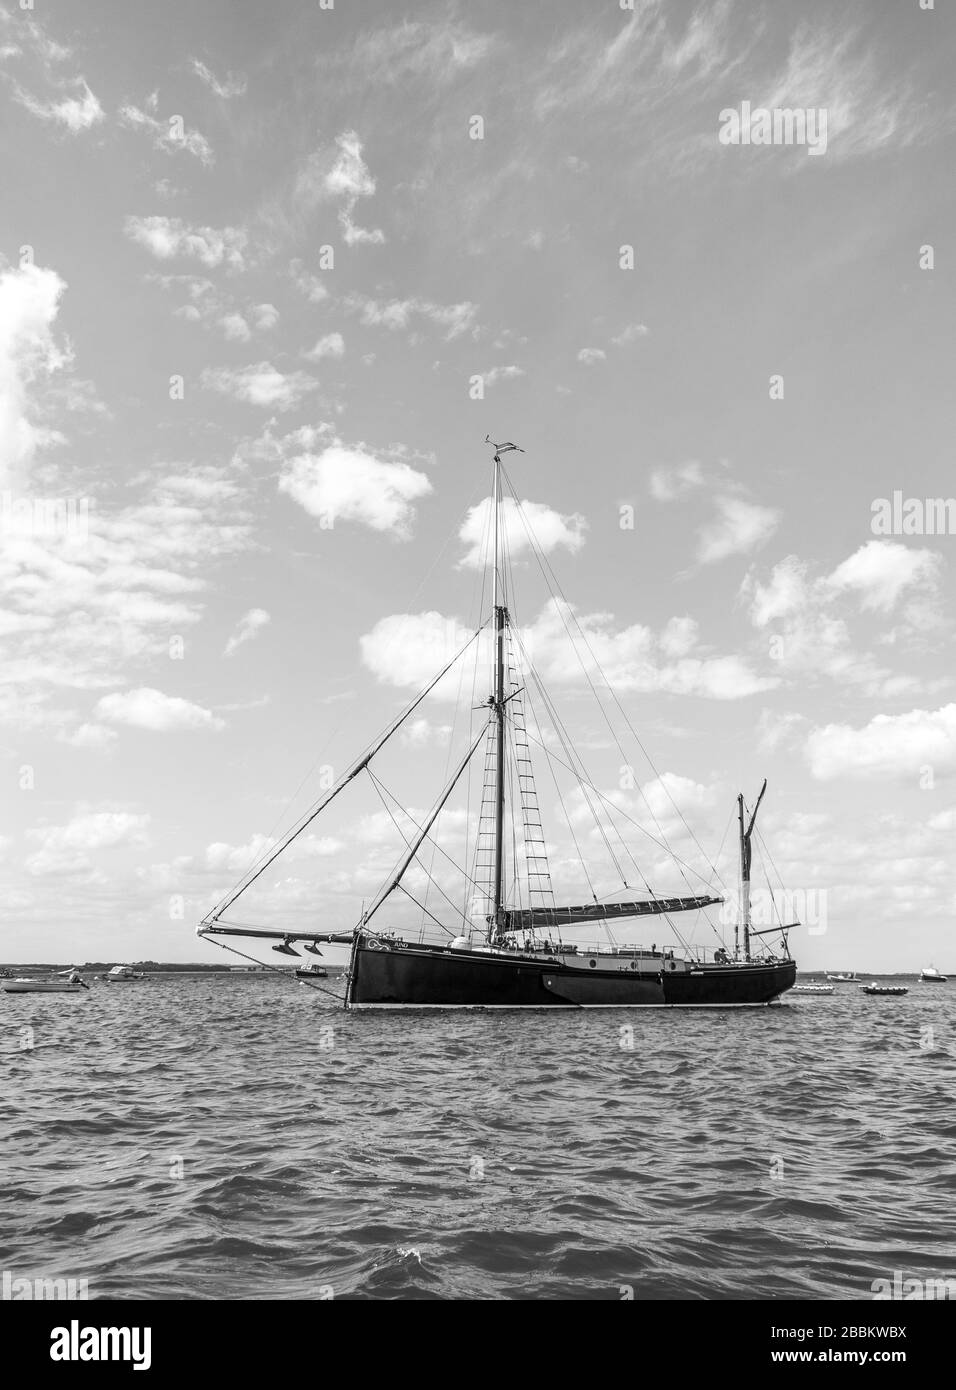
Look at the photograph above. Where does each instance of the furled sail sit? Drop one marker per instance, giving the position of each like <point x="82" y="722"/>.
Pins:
<point x="529" y="919"/>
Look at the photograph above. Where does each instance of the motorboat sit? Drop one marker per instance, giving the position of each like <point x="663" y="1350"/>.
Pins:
<point x="64" y="982"/>
<point x="311" y="971"/>
<point x="931" y="976"/>
<point x="123" y="974"/>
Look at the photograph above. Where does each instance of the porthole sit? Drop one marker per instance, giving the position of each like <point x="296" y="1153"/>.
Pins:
<point x="592" y="963"/>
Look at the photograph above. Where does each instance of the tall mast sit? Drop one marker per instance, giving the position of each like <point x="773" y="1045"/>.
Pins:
<point x="745" y="854"/>
<point x="499" y="700"/>
<point x="498" y="597"/>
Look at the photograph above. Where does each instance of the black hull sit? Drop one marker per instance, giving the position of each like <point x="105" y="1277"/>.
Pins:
<point x="431" y="977"/>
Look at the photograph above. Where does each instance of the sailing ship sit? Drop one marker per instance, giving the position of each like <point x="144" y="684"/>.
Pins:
<point x="518" y="945"/>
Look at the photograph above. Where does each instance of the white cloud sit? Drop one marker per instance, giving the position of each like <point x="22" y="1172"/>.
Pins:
<point x="260" y="384"/>
<point x="868" y="110"/>
<point x="266" y="316"/>
<point x="249" y="625"/>
<point x="167" y="237"/>
<point x="809" y="617"/>
<point x="344" y="177"/>
<point x="64" y="849"/>
<point x="233" y="86"/>
<point x="494" y="374"/>
<point x="422" y="733"/>
<point x="591" y="356"/>
<point x="657" y="805"/>
<point x="786" y="593"/>
<point x="679" y="636"/>
<point x="238" y="859"/>
<point x="351" y="484"/>
<point x="776" y="730"/>
<point x="354" y="235"/>
<point x="312" y="286"/>
<point x="549" y="528"/>
<point x="85" y="603"/>
<point x="881" y="571"/>
<point x="151" y="709"/>
<point x="167" y="134"/>
<point x="737" y="528"/>
<point x="894" y="745"/>
<point x="630" y="334"/>
<point x="409" y="649"/>
<point x="332" y="345"/>
<point x="437" y="51"/>
<point x="233" y="325"/>
<point x="634" y="658"/>
<point x="654" y="69"/>
<point x="349" y="176"/>
<point x="668" y="483"/>
<point x="78" y="112"/>
<point x="29" y="303"/>
<point x="398" y="313"/>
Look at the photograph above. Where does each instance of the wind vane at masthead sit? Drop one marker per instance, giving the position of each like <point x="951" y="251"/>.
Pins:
<point x="502" y="448"/>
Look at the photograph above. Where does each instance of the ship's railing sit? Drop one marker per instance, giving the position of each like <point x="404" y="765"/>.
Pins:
<point x="432" y="935"/>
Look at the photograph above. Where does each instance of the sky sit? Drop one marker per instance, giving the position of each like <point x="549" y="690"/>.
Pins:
<point x="269" y="274"/>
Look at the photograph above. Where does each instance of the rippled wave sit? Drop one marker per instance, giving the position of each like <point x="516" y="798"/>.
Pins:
<point x="199" y="1138"/>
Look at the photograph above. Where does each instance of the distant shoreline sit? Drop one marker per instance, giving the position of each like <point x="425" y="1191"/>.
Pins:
<point x="158" y="968"/>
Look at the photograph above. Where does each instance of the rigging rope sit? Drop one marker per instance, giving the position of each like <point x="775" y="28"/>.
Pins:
<point x="380" y="788"/>
<point x="557" y="592"/>
<point x="362" y="762"/>
<point x="276" y="969"/>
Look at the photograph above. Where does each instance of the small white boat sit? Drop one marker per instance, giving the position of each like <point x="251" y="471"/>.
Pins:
<point x="813" y="989"/>
<point x="66" y="982"/>
<point x="311" y="970"/>
<point x="874" y="988"/>
<point x="847" y="977"/>
<point x="931" y="976"/>
<point x="123" y="974"/>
